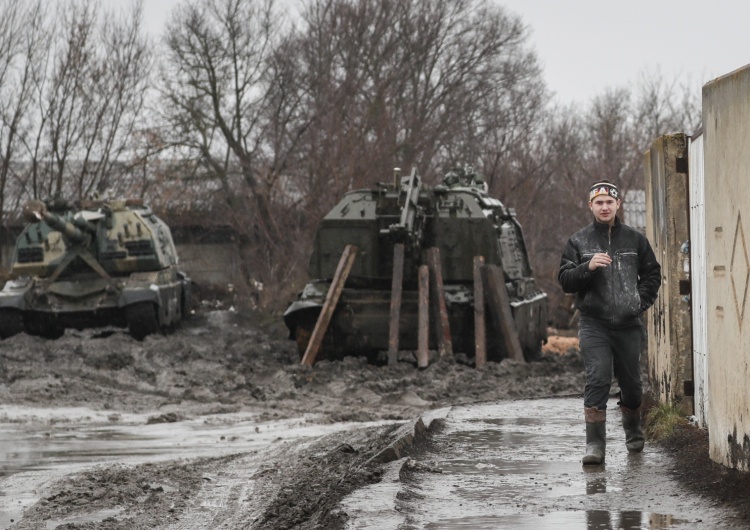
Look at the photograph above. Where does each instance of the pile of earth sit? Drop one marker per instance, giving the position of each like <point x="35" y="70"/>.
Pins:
<point x="227" y="361"/>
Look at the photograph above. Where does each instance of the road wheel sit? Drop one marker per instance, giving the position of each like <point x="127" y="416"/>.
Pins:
<point x="41" y="325"/>
<point x="142" y="319"/>
<point x="52" y="330"/>
<point x="11" y="323"/>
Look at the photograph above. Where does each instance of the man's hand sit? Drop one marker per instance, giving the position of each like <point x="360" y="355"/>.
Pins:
<point x="600" y="260"/>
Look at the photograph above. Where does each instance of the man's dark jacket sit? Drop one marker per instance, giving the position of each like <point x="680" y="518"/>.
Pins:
<point x="615" y="295"/>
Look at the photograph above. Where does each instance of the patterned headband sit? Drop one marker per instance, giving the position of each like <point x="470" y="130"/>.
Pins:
<point x="603" y="188"/>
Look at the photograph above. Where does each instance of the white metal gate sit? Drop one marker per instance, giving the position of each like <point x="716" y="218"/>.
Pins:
<point x="698" y="279"/>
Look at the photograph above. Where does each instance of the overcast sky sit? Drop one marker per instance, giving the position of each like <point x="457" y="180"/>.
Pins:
<point x="587" y="46"/>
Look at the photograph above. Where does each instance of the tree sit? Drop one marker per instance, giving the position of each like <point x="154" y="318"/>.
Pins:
<point x="216" y="88"/>
<point x="118" y="90"/>
<point x="23" y="39"/>
<point x="233" y="114"/>
<point x="73" y="94"/>
<point x="420" y="83"/>
<point x="94" y="97"/>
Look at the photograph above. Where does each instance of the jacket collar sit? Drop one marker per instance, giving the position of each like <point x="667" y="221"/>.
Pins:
<point x="604" y="227"/>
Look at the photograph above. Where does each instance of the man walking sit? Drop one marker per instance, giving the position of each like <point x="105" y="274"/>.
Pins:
<point x="613" y="271"/>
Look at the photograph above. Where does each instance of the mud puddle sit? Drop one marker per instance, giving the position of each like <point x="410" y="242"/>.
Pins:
<point x="517" y="465"/>
<point x="38" y="446"/>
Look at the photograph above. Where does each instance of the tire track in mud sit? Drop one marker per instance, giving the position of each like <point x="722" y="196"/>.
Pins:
<point x="237" y="493"/>
<point x="222" y="502"/>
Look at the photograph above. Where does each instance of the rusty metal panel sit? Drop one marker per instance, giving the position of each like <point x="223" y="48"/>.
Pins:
<point x="726" y="151"/>
<point x="669" y="320"/>
<point x="698" y="279"/>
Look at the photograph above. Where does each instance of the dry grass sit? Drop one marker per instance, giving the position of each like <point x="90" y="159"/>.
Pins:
<point x="662" y="420"/>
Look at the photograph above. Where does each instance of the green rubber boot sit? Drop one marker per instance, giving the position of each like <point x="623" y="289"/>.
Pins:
<point x="631" y="422"/>
<point x="596" y="436"/>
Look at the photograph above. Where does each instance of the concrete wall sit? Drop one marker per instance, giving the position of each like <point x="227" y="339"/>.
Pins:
<point x="210" y="264"/>
<point x="668" y="321"/>
<point x="726" y="137"/>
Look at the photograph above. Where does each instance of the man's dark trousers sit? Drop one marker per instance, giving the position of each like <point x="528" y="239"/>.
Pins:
<point x="604" y="348"/>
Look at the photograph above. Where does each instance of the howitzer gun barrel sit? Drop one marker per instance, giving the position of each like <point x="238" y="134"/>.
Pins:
<point x="35" y="211"/>
<point x="409" y="209"/>
<point x="408" y="200"/>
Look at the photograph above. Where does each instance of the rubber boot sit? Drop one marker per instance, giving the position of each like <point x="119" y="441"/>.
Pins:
<point x="631" y="422"/>
<point x="596" y="436"/>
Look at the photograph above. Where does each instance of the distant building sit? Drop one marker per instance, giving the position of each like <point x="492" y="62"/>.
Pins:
<point x="634" y="210"/>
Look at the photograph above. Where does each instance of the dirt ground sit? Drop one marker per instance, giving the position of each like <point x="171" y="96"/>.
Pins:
<point x="730" y="488"/>
<point x="222" y="361"/>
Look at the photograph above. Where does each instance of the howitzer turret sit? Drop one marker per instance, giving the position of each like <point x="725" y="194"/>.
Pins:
<point x="456" y="220"/>
<point x="78" y="231"/>
<point x="103" y="263"/>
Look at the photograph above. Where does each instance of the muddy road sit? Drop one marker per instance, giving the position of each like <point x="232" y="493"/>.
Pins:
<point x="509" y="464"/>
<point x="218" y="426"/>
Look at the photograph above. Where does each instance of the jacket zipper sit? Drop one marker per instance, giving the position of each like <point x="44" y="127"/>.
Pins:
<point x="611" y="274"/>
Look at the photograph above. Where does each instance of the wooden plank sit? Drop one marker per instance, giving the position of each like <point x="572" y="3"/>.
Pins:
<point x="423" y="346"/>
<point x="396" y="290"/>
<point x="332" y="298"/>
<point x="502" y="315"/>
<point x="480" y="330"/>
<point x="437" y="293"/>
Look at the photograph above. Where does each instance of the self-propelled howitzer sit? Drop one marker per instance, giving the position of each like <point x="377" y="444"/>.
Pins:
<point x="105" y="263"/>
<point x="461" y="221"/>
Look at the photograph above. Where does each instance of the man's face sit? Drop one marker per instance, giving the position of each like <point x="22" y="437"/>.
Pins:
<point x="604" y="208"/>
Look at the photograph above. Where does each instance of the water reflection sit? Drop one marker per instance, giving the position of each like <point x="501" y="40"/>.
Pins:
<point x="659" y="521"/>
<point x="629" y="520"/>
<point x="567" y="520"/>
<point x="596" y="483"/>
<point x="598" y="520"/>
<point x="596" y="479"/>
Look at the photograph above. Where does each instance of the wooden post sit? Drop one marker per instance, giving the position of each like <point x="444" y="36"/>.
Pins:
<point x="423" y="346"/>
<point x="332" y="298"/>
<point x="480" y="332"/>
<point x="396" y="289"/>
<point x="499" y="304"/>
<point x="437" y="293"/>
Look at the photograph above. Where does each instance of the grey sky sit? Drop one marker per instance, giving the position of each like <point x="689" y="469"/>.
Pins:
<point x="587" y="46"/>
